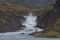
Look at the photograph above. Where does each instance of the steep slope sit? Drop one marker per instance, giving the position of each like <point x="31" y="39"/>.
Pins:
<point x="47" y="18"/>
<point x="53" y="30"/>
<point x="13" y="7"/>
<point x="11" y="16"/>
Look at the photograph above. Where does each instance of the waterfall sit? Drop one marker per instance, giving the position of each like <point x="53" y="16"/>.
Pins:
<point x="30" y="21"/>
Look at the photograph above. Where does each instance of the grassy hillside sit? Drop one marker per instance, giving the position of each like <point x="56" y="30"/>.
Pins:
<point x="9" y="7"/>
<point x="39" y="11"/>
<point x="12" y="7"/>
<point x="53" y="30"/>
<point x="21" y="10"/>
<point x="10" y="16"/>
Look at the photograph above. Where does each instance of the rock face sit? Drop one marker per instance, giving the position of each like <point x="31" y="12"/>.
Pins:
<point x="44" y="20"/>
<point x="11" y="16"/>
<point x="53" y="30"/>
<point x="10" y="22"/>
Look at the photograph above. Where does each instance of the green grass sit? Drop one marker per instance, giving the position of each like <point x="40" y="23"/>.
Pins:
<point x="11" y="7"/>
<point x="52" y="30"/>
<point x="21" y="10"/>
<point x="39" y="11"/>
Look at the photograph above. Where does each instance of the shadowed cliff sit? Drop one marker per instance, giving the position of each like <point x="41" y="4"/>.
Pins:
<point x="11" y="16"/>
<point x="47" y="18"/>
<point x="50" y="22"/>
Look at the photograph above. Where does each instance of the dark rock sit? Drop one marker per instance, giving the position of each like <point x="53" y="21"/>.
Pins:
<point x="32" y="34"/>
<point x="44" y="20"/>
<point x="10" y="22"/>
<point x="36" y="34"/>
<point x="22" y="28"/>
<point x="57" y="2"/>
<point x="22" y="33"/>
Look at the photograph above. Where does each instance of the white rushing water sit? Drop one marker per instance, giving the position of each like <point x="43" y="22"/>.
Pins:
<point x="30" y="23"/>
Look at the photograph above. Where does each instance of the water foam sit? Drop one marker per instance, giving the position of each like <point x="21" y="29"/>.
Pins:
<point x="29" y="23"/>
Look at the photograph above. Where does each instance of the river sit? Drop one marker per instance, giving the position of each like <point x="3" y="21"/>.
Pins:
<point x="23" y="37"/>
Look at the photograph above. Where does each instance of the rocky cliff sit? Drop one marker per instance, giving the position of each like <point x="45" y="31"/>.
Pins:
<point x="44" y="20"/>
<point x="11" y="16"/>
<point x="53" y="31"/>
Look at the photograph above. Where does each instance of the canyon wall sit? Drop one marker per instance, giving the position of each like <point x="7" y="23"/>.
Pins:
<point x="44" y="20"/>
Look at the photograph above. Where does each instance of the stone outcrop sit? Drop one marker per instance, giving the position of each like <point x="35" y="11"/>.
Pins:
<point x="11" y="16"/>
<point x="44" y="20"/>
<point x="10" y="22"/>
